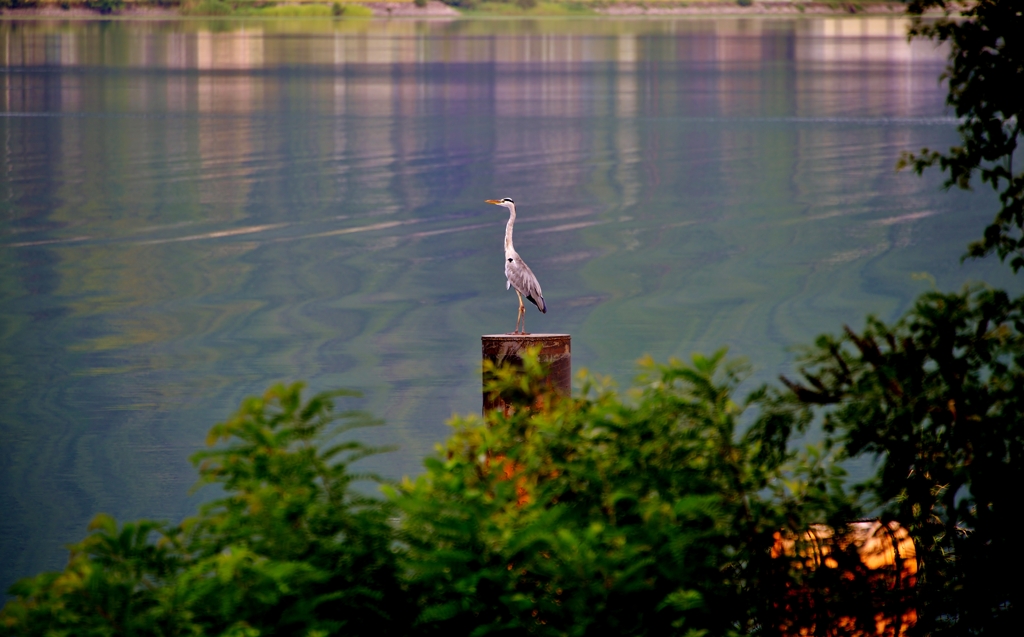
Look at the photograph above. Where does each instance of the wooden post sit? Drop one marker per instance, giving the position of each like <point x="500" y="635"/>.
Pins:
<point x="555" y="350"/>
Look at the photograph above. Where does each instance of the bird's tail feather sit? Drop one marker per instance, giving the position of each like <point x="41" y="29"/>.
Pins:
<point x="541" y="305"/>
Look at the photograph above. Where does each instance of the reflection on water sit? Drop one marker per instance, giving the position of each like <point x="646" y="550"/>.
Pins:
<point x="191" y="210"/>
<point x="234" y="45"/>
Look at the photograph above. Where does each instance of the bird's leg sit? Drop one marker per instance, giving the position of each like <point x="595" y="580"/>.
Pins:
<point x="522" y="314"/>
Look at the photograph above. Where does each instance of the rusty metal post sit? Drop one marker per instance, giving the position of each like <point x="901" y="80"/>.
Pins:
<point x="555" y="350"/>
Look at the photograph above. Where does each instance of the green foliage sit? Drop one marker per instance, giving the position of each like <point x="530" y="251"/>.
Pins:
<point x="105" y="6"/>
<point x="938" y="400"/>
<point x="288" y="10"/>
<point x="938" y="397"/>
<point x="251" y="9"/>
<point x="209" y="8"/>
<point x="292" y="530"/>
<point x="115" y="583"/>
<point x="985" y="73"/>
<point x="291" y="548"/>
<point x="586" y="515"/>
<point x="356" y="11"/>
<point x="571" y="516"/>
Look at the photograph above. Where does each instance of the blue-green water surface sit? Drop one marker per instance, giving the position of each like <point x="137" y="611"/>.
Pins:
<point x="192" y="210"/>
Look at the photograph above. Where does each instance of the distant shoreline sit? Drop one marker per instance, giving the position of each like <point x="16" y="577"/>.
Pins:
<point x="757" y="8"/>
<point x="436" y="9"/>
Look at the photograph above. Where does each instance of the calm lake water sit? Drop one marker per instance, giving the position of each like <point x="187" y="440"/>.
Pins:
<point x="192" y="210"/>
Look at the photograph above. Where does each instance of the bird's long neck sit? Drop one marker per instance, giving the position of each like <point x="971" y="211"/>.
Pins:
<point x="509" y="250"/>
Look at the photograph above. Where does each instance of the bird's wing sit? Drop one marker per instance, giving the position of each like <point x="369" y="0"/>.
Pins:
<point x="520" y="275"/>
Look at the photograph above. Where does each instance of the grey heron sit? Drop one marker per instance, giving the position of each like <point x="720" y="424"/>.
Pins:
<point x="517" y="273"/>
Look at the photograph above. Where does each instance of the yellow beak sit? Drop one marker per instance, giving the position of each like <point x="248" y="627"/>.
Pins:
<point x="493" y="201"/>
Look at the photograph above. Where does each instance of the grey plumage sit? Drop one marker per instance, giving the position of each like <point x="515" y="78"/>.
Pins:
<point x="517" y="274"/>
<point x="521" y="276"/>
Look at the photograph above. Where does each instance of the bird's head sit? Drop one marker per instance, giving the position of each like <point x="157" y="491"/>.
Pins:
<point x="505" y="203"/>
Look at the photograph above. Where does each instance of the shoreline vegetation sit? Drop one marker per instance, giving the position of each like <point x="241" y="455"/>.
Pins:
<point x="148" y="9"/>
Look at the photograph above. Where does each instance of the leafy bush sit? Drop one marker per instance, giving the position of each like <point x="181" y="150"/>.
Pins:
<point x="356" y="11"/>
<point x="105" y="6"/>
<point x="291" y="548"/>
<point x="589" y="515"/>
<point x="209" y="8"/>
<point x="584" y="513"/>
<point x="289" y="10"/>
<point x="938" y="401"/>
